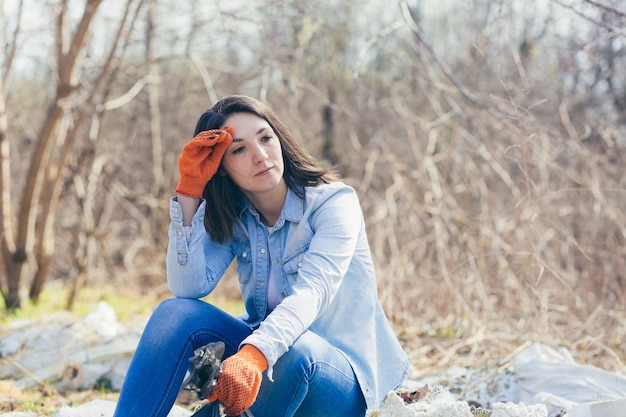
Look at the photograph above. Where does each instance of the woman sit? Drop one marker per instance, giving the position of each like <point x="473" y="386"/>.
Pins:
<point x="314" y="340"/>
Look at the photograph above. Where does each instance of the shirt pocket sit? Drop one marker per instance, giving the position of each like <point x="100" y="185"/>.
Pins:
<point x="244" y="260"/>
<point x="292" y="264"/>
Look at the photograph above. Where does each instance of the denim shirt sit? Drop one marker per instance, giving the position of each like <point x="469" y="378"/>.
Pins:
<point x="324" y="276"/>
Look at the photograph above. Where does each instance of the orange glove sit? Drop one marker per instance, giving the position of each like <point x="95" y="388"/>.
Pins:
<point x="239" y="383"/>
<point x="201" y="158"/>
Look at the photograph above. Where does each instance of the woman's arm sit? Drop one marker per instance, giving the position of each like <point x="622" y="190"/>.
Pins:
<point x="189" y="206"/>
<point x="337" y="226"/>
<point x="194" y="262"/>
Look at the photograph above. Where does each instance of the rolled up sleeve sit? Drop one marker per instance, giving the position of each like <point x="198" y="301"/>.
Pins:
<point x="194" y="263"/>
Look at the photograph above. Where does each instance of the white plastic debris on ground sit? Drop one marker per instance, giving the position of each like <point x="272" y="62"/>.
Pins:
<point x="538" y="382"/>
<point x="67" y="352"/>
<point x="440" y="403"/>
<point x="534" y="381"/>
<point x="553" y="377"/>
<point x="104" y="408"/>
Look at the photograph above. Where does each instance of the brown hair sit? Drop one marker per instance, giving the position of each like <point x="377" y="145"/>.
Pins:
<point x="223" y="198"/>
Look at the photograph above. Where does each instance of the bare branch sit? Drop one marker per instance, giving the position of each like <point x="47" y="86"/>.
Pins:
<point x="606" y="7"/>
<point x="125" y="98"/>
<point x="442" y="65"/>
<point x="206" y="78"/>
<point x="618" y="30"/>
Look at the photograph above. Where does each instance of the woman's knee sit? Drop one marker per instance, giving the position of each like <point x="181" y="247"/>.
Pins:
<point x="200" y="321"/>
<point x="177" y="307"/>
<point x="175" y="312"/>
<point x="171" y="318"/>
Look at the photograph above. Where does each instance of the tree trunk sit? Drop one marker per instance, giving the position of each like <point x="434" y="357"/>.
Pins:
<point x="35" y="175"/>
<point x="9" y="292"/>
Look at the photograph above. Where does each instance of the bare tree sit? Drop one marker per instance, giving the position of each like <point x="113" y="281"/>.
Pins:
<point x="87" y="173"/>
<point x="37" y="178"/>
<point x="470" y="134"/>
<point x="71" y="107"/>
<point x="8" y="244"/>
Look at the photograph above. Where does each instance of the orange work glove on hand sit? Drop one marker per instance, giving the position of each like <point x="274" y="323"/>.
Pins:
<point x="201" y="158"/>
<point x="239" y="383"/>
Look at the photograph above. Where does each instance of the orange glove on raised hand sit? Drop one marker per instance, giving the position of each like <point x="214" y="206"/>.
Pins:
<point x="239" y="383"/>
<point x="200" y="159"/>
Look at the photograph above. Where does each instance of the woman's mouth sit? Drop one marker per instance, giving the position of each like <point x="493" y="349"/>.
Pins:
<point x="265" y="171"/>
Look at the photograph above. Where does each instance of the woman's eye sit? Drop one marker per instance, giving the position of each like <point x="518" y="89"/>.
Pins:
<point x="238" y="150"/>
<point x="266" y="138"/>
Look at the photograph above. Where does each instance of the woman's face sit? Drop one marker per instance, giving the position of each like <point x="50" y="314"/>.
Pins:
<point x="254" y="160"/>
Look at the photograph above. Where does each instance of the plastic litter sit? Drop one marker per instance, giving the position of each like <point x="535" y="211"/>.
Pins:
<point x="552" y="377"/>
<point x="206" y="367"/>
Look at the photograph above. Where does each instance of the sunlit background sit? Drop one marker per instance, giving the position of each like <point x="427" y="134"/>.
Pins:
<point x="486" y="139"/>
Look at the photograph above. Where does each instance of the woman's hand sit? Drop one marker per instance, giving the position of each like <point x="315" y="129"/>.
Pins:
<point x="200" y="159"/>
<point x="239" y="383"/>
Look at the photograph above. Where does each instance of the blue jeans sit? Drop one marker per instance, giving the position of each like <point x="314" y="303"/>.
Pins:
<point x="311" y="379"/>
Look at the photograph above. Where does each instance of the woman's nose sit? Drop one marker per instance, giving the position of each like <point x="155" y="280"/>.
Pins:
<point x="260" y="154"/>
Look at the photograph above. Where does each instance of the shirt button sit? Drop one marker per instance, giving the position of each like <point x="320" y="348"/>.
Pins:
<point x="244" y="255"/>
<point x="277" y="260"/>
<point x="180" y="233"/>
<point x="262" y="283"/>
<point x="262" y="250"/>
<point x="299" y="264"/>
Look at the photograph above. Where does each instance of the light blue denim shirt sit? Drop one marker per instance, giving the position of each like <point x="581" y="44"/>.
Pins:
<point x="325" y="279"/>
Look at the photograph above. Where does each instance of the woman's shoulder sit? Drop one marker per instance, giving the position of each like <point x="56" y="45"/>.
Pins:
<point x="317" y="195"/>
<point x="328" y="188"/>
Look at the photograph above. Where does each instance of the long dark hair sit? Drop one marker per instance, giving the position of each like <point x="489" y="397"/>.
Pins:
<point x="223" y="198"/>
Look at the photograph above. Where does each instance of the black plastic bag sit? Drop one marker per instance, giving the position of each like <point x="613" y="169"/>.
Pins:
<point x="206" y="366"/>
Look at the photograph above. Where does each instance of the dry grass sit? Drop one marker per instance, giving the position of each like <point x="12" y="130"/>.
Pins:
<point x="490" y="231"/>
<point x="494" y="196"/>
<point x="45" y="401"/>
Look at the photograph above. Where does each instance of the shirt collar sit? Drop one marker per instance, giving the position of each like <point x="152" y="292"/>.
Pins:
<point x="291" y="212"/>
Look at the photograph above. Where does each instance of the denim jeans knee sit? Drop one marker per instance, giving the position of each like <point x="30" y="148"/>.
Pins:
<point x="174" y="330"/>
<point x="312" y="379"/>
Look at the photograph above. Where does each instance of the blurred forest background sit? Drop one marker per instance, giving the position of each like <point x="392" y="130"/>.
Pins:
<point x="486" y="139"/>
